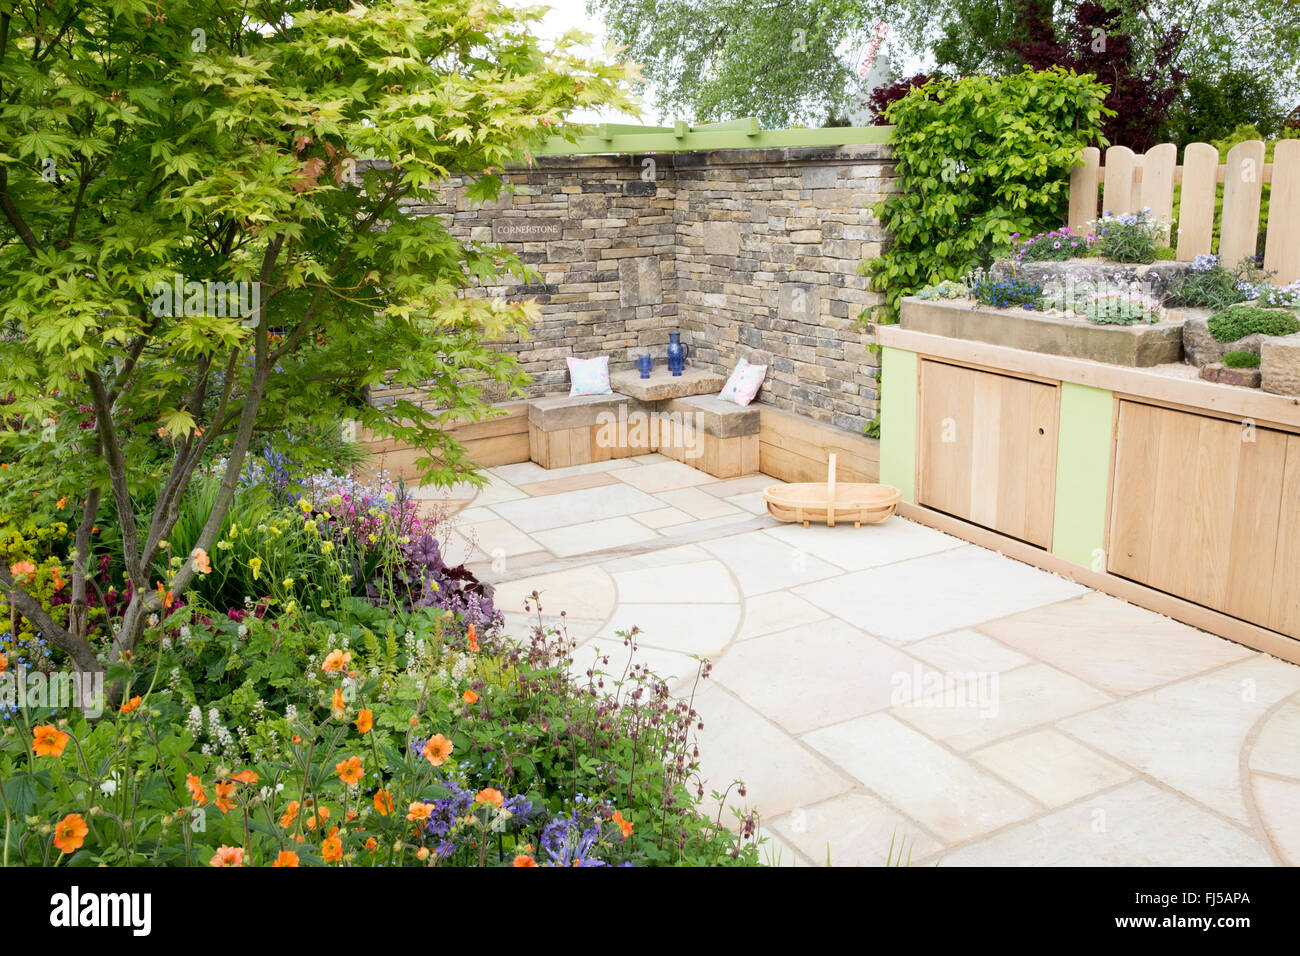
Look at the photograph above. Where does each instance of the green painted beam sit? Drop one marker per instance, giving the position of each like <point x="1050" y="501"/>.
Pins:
<point x="898" y="391"/>
<point x="1082" y="475"/>
<point x="609" y="139"/>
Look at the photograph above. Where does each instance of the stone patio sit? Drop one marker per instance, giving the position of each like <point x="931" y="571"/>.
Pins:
<point x="895" y="684"/>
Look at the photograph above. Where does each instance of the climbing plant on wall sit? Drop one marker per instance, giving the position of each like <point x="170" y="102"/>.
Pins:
<point x="979" y="159"/>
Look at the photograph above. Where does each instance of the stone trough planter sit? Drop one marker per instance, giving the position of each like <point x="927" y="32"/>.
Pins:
<point x="1153" y="279"/>
<point x="1051" y="333"/>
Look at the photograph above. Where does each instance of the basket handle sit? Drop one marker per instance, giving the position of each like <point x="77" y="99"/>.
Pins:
<point x="830" y="488"/>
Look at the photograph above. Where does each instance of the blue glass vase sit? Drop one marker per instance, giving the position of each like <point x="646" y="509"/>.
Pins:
<point x="644" y="364"/>
<point x="677" y="353"/>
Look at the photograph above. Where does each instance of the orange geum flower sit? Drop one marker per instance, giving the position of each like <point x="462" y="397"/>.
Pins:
<point x="349" y="771"/>
<point x="4" y="663"/>
<point x="336" y="661"/>
<point x="372" y="844"/>
<point x="490" y="795"/>
<point x="383" y="803"/>
<point x="58" y="578"/>
<point x="131" y="704"/>
<point x="286" y="858"/>
<point x="623" y="824"/>
<point x="197" y="793"/>
<point x="224" y="788"/>
<point x="418" y="812"/>
<point x="331" y="850"/>
<point x="469" y="697"/>
<point x="323" y="813"/>
<point x="473" y="637"/>
<point x="338" y="704"/>
<point x="49" y="741"/>
<point x="290" y="814"/>
<point x="365" y="721"/>
<point x="202" y="563"/>
<point x="437" y="750"/>
<point x="228" y="856"/>
<point x="523" y="859"/>
<point x="70" y="833"/>
<point x="245" y="776"/>
<point x="21" y="570"/>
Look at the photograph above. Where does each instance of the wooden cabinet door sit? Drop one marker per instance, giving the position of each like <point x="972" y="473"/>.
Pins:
<point x="1198" y="510"/>
<point x="988" y="450"/>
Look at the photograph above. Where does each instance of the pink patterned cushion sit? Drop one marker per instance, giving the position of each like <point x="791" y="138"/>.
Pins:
<point x="589" y="376"/>
<point x="744" y="383"/>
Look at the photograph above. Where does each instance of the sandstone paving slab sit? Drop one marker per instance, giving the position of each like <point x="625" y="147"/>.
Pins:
<point x="456" y="549"/>
<point x="854" y="829"/>
<point x="952" y="797"/>
<point x="1278" y="803"/>
<point x="663" y="518"/>
<point x="519" y="626"/>
<point x="761" y="563"/>
<point x="727" y="487"/>
<point x="940" y="592"/>
<point x="697" y="582"/>
<point x="585" y="592"/>
<point x="527" y="472"/>
<point x="555" y="486"/>
<point x="496" y="491"/>
<point x="611" y="659"/>
<point x="1116" y="646"/>
<point x="776" y="611"/>
<point x="819" y="673"/>
<point x="575" y="507"/>
<point x="713" y="527"/>
<point x="594" y="536"/>
<point x="973" y="708"/>
<point x="751" y="501"/>
<point x="703" y="629"/>
<point x="498" y="538"/>
<point x="966" y="650"/>
<point x="779" y="773"/>
<point x="697" y="503"/>
<point x="1277" y="748"/>
<point x="1050" y="767"/>
<point x="856" y="549"/>
<point x="1136" y="824"/>
<point x="666" y="556"/>
<point x="664" y="476"/>
<point x="1190" y="734"/>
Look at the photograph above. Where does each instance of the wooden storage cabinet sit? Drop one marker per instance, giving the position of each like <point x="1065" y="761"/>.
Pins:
<point x="987" y="449"/>
<point x="1208" y="510"/>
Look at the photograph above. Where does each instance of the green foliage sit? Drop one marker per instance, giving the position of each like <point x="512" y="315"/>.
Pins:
<point x="1238" y="321"/>
<point x="1240" y="359"/>
<point x="139" y="153"/>
<point x="944" y="290"/>
<point x="1210" y="287"/>
<point x="1119" y="308"/>
<point x="1131" y="238"/>
<point x="1210" y="106"/>
<point x="980" y="159"/>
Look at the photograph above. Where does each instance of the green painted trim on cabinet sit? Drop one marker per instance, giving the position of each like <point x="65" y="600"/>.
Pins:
<point x="1082" y="475"/>
<point x="899" y="383"/>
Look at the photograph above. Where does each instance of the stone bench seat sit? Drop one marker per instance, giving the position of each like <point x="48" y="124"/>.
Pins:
<point x="711" y="434"/>
<point x="564" y="430"/>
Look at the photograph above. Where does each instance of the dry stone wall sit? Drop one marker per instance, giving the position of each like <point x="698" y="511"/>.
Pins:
<point x="749" y="254"/>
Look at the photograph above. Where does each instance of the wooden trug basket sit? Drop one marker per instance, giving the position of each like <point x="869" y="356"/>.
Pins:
<point x="855" y="501"/>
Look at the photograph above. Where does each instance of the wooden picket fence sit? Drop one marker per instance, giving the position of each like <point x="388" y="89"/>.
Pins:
<point x="1131" y="182"/>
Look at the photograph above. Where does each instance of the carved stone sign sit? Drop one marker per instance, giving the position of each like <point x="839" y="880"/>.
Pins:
<point x="527" y="230"/>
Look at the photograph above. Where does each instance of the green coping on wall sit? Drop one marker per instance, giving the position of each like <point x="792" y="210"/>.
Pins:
<point x="1082" y="475"/>
<point x="898" y="390"/>
<point x="682" y="138"/>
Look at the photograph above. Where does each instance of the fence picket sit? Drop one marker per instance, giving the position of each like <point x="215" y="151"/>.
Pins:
<point x="1083" y="191"/>
<point x="1196" y="205"/>
<point x="1158" y="167"/>
<point x="1282" y="247"/>
<point x="1117" y="196"/>
<point x="1243" y="182"/>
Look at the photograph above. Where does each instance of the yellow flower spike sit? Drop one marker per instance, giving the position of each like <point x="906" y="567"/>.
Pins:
<point x="256" y="565"/>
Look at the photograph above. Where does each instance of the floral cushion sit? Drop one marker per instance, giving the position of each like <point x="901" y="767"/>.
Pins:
<point x="589" y="376"/>
<point x="744" y="383"/>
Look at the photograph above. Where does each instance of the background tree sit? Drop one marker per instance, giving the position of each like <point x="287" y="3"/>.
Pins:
<point x="145" y="141"/>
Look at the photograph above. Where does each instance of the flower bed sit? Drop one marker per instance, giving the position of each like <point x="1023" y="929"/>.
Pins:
<point x="332" y="693"/>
